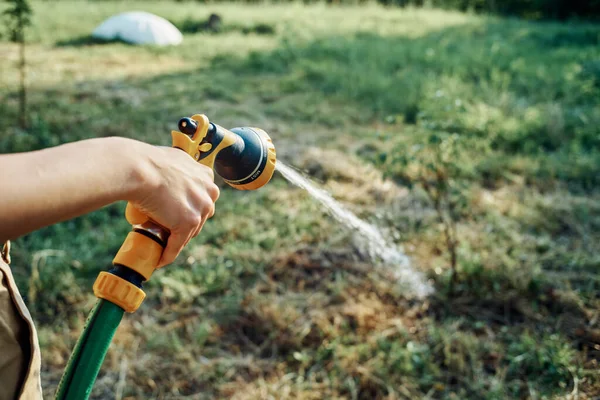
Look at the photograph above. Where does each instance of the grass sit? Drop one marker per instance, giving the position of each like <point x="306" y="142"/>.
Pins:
<point x="272" y="300"/>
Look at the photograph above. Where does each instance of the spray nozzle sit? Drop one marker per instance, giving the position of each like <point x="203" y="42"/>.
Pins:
<point x="244" y="157"/>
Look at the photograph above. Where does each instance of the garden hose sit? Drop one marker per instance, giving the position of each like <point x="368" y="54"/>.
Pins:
<point x="88" y="354"/>
<point x="244" y="157"/>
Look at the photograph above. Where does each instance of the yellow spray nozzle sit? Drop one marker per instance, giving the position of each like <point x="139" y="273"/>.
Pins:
<point x="244" y="157"/>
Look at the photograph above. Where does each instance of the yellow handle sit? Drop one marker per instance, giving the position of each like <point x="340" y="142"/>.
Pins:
<point x="134" y="216"/>
<point x="140" y="253"/>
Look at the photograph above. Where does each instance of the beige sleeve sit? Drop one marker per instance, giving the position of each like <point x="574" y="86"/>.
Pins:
<point x="20" y="359"/>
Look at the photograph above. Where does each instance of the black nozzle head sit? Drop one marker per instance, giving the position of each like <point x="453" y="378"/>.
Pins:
<point x="249" y="163"/>
<point x="187" y="126"/>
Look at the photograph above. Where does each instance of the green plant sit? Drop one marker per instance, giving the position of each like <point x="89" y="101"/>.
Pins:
<point x="439" y="166"/>
<point x="17" y="18"/>
<point x="547" y="360"/>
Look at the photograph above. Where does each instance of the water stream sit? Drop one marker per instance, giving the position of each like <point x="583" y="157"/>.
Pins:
<point x="367" y="236"/>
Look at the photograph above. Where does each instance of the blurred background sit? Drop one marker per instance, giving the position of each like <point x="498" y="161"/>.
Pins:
<point x="465" y="130"/>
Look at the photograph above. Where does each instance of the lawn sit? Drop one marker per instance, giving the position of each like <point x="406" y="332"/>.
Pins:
<point x="423" y="122"/>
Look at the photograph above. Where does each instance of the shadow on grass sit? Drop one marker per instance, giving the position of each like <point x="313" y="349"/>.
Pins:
<point x="88" y="40"/>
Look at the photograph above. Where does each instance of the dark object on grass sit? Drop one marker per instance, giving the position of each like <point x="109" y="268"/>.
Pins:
<point x="213" y="24"/>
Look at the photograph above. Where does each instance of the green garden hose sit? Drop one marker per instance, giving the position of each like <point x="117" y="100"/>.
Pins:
<point x="87" y="357"/>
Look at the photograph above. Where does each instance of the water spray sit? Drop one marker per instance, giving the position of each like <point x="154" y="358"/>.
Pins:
<point x="368" y="236"/>
<point x="244" y="157"/>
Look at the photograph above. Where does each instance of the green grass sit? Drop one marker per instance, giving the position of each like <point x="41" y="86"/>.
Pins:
<point x="272" y="299"/>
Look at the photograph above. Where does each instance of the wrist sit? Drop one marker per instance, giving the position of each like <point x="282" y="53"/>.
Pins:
<point x="138" y="177"/>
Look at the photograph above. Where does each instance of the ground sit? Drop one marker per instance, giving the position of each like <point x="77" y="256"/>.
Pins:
<point x="273" y="300"/>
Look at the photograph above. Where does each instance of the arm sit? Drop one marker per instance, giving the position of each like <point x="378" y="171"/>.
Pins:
<point x="52" y="185"/>
<point x="47" y="186"/>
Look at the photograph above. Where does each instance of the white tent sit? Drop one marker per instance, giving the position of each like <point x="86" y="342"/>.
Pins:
<point x="139" y="27"/>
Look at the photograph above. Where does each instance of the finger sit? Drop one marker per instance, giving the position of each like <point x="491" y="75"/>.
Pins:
<point x="195" y="226"/>
<point x="211" y="212"/>
<point x="214" y="192"/>
<point x="200" y="226"/>
<point x="175" y="244"/>
<point x="204" y="206"/>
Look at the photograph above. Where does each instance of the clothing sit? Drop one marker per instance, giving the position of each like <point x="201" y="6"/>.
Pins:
<point x="20" y="357"/>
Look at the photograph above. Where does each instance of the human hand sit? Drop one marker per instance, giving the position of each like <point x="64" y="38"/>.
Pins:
<point x="176" y="192"/>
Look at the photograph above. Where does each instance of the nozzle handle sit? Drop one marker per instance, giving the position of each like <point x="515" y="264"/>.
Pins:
<point x="143" y="247"/>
